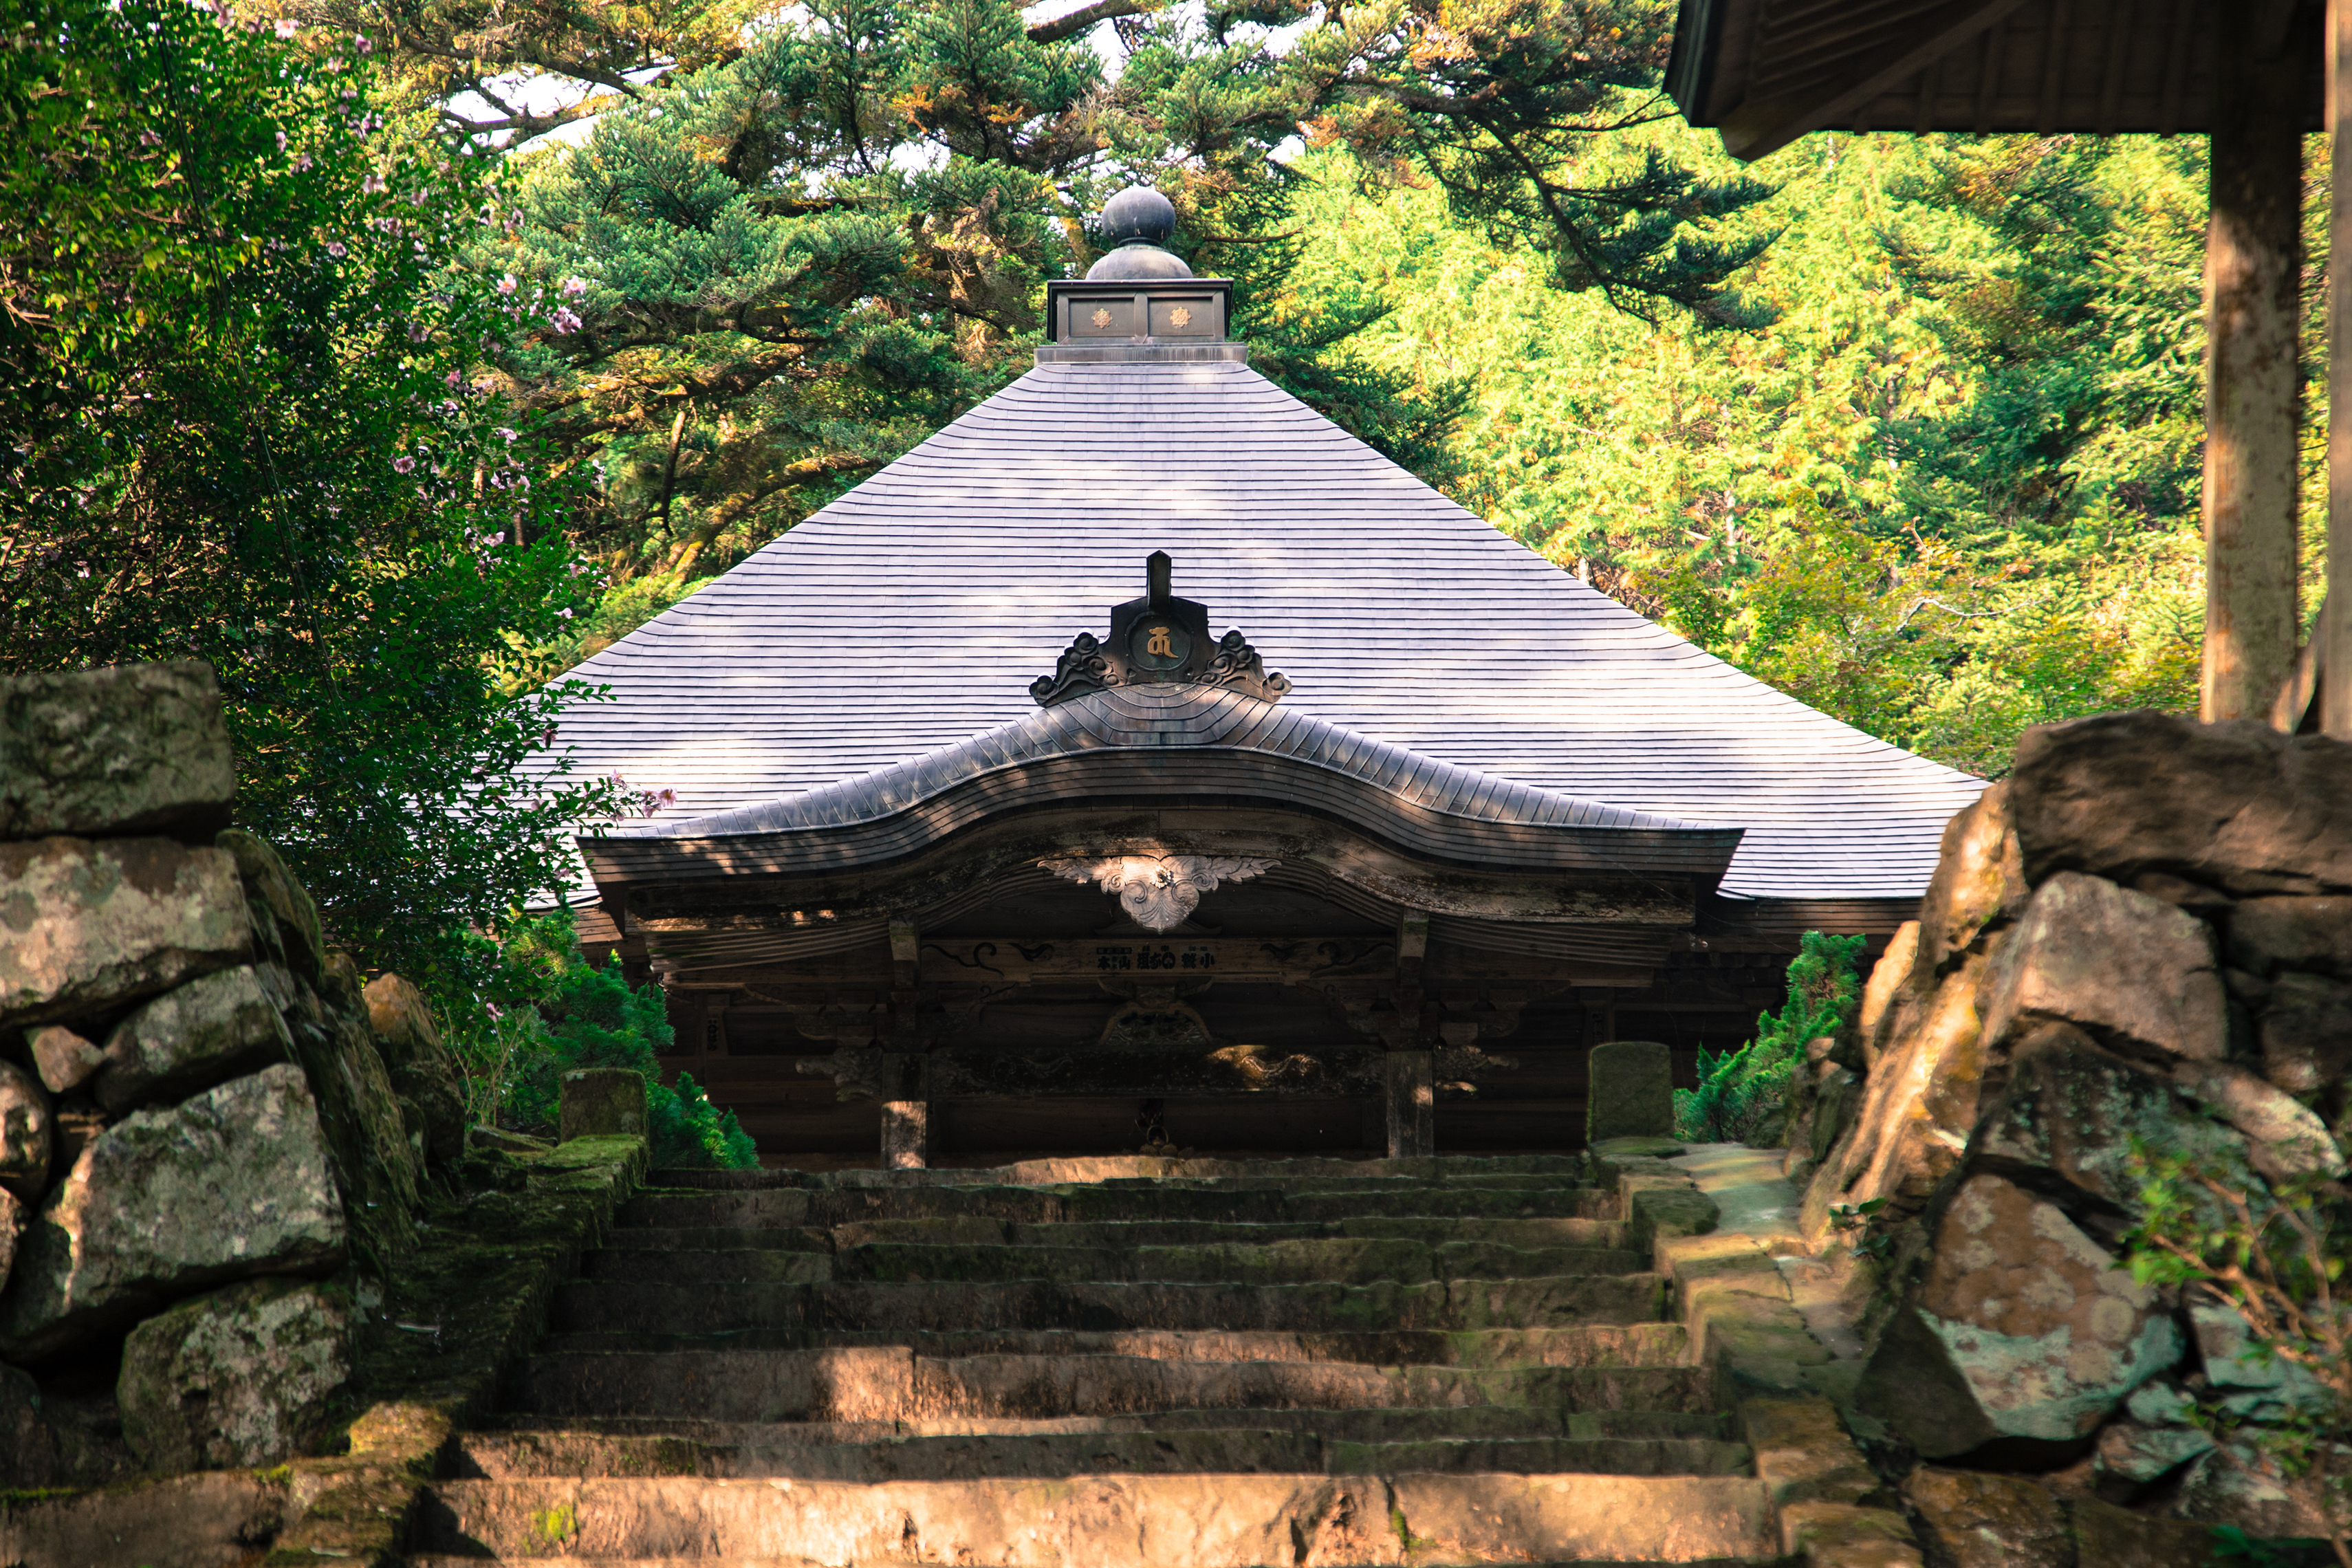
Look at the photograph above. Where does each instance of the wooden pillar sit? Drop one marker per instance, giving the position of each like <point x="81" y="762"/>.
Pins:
<point x="2253" y="266"/>
<point x="2333" y="636"/>
<point x="1412" y="1096"/>
<point x="906" y="1092"/>
<point x="1408" y="1083"/>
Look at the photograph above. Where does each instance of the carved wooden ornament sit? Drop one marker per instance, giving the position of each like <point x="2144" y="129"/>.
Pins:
<point x="1159" y="891"/>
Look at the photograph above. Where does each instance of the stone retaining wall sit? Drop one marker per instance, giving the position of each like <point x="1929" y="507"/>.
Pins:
<point x="2145" y="930"/>
<point x="213" y="1139"/>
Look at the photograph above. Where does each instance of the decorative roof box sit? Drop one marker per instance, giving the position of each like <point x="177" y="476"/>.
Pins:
<point x="1140" y="293"/>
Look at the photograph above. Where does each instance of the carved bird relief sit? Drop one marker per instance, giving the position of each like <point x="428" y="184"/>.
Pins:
<point x="1158" y="891"/>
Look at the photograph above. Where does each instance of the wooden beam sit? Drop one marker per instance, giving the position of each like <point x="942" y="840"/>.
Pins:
<point x="2332" y="639"/>
<point x="1756" y="128"/>
<point x="2253" y="267"/>
<point x="1411" y="1102"/>
<point x="2053" y="66"/>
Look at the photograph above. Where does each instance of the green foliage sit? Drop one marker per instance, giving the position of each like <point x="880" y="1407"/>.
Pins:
<point x="527" y="1008"/>
<point x="1742" y="1094"/>
<point x="235" y="366"/>
<point x="1949" y="491"/>
<point x="802" y="238"/>
<point x="2274" y="1252"/>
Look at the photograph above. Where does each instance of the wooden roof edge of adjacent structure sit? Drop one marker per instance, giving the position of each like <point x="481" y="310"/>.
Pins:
<point x="1765" y="72"/>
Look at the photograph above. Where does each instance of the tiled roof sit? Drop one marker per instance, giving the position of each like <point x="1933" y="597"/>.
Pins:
<point x="911" y="615"/>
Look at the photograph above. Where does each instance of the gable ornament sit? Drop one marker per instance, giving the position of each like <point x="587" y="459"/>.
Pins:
<point x="1159" y="892"/>
<point x="1158" y="639"/>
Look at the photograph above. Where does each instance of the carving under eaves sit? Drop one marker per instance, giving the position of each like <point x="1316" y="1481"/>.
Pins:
<point x="1159" y="891"/>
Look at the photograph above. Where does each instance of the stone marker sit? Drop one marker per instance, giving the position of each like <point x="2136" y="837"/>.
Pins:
<point x="1629" y="1091"/>
<point x="239" y="1377"/>
<point x="134" y="749"/>
<point x="602" y="1102"/>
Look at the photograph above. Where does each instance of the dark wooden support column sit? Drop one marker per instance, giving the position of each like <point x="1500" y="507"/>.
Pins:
<point x="906" y="1092"/>
<point x="2253" y="267"/>
<point x="1408" y="1080"/>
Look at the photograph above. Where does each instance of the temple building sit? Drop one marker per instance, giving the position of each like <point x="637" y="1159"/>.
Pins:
<point x="1143" y="760"/>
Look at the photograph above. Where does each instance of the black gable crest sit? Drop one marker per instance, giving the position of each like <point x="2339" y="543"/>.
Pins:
<point x="1158" y="639"/>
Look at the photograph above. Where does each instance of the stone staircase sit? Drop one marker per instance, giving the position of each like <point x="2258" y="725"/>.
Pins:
<point x="1090" y="1363"/>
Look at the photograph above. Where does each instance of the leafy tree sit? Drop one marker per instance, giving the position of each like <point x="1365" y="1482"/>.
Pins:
<point x="824" y="229"/>
<point x="1949" y="491"/>
<point x="237" y="362"/>
<point x="1743" y="1094"/>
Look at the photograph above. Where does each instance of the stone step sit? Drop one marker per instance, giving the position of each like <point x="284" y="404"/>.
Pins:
<point x="760" y="1207"/>
<point x="524" y="1455"/>
<point x="1342" y="1260"/>
<point x="889" y="1384"/>
<point x="1203" y="1521"/>
<point x="1609" y="1344"/>
<point x="670" y="1305"/>
<point x="1500" y="1422"/>
<point x="1115" y="1170"/>
<point x="976" y="1230"/>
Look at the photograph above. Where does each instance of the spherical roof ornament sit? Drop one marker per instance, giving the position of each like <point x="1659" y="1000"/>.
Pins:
<point x="1137" y="222"/>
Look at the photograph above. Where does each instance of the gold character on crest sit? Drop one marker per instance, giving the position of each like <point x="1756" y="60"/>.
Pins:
<point x="1102" y="317"/>
<point x="1159" y="646"/>
<point x="1180" y="318"/>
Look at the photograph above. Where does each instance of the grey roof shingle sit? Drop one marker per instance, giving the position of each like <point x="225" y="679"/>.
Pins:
<point x="913" y="612"/>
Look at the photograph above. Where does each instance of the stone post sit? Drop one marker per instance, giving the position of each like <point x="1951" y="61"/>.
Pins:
<point x="602" y="1102"/>
<point x="1629" y="1091"/>
<point x="1412" y="1097"/>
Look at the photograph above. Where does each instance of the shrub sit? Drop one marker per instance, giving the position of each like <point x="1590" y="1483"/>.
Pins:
<point x="535" y="1009"/>
<point x="1743" y="1094"/>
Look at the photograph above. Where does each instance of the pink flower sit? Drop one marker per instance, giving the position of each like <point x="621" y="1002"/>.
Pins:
<point x="359" y="42"/>
<point x="454" y="379"/>
<point x="564" y="321"/>
<point x="574" y="287"/>
<point x="335" y="248"/>
<point x="286" y="25"/>
<point x="403" y="463"/>
<point x="506" y="284"/>
<point x="281" y="141"/>
<point x="508" y="434"/>
<point x="373" y="184"/>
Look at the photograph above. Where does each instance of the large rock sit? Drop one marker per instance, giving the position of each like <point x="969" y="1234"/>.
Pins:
<point x="243" y="1376"/>
<point x="283" y="909"/>
<point x="2236" y="807"/>
<point x="2073" y="1111"/>
<point x="2130" y="970"/>
<point x="1889" y="997"/>
<point x="1918" y="1107"/>
<point x="378" y="1169"/>
<point x="1971" y="1520"/>
<point x="134" y="749"/>
<point x="2306" y="1032"/>
<point x="219" y="1027"/>
<point x="2267" y="935"/>
<point x="602" y="1102"/>
<point x="1978" y="886"/>
<point x="26" y="1138"/>
<point x="64" y="1059"/>
<point x="2023" y="1337"/>
<point x="88" y="926"/>
<point x="423" y="1071"/>
<point x="13" y="1213"/>
<point x="2284" y="1137"/>
<point x="231" y="1183"/>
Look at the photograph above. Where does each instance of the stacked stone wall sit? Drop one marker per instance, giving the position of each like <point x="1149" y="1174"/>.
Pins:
<point x="2144" y="933"/>
<point x="212" y="1139"/>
